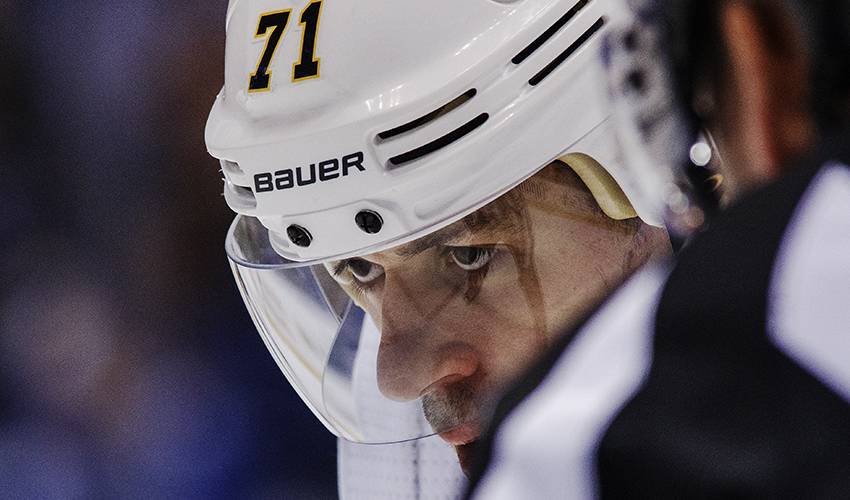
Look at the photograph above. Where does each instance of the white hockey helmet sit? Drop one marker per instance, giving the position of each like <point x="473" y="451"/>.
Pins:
<point x="346" y="128"/>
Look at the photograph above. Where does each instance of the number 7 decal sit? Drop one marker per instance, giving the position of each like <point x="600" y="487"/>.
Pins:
<point x="308" y="64"/>
<point x="261" y="78"/>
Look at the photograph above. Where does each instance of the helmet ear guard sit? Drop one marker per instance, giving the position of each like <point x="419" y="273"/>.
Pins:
<point x="656" y="129"/>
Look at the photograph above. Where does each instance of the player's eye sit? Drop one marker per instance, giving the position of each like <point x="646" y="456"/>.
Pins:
<point x="472" y="258"/>
<point x="354" y="272"/>
<point x="364" y="271"/>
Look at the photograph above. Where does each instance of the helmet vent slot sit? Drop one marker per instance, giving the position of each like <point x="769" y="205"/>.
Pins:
<point x="433" y="115"/>
<point x="239" y="198"/>
<point x="230" y="168"/>
<point x="549" y="33"/>
<point x="437" y="144"/>
<point x="563" y="56"/>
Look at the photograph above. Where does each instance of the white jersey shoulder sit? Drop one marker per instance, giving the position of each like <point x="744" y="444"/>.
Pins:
<point x="423" y="469"/>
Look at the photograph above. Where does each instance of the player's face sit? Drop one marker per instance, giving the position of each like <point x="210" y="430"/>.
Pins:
<point x="463" y="310"/>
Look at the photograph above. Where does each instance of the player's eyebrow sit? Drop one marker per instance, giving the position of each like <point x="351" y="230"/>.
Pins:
<point x="440" y="237"/>
<point x="473" y="223"/>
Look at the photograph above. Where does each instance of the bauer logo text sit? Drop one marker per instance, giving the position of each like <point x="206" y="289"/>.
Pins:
<point x="322" y="171"/>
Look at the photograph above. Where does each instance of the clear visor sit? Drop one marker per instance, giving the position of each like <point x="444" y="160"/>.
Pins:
<point x="422" y="338"/>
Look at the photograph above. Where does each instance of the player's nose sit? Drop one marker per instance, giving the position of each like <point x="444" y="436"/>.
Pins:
<point x="417" y="353"/>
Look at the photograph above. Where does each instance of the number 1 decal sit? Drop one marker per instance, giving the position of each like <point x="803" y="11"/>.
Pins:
<point x="307" y="66"/>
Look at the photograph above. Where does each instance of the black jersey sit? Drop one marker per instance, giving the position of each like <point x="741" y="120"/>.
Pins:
<point x="726" y="375"/>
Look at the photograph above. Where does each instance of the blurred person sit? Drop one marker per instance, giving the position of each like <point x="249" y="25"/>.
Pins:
<point x="727" y="375"/>
<point x="422" y="207"/>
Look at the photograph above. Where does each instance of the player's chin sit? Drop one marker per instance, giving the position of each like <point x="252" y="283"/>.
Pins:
<point x="464" y="439"/>
<point x="467" y="455"/>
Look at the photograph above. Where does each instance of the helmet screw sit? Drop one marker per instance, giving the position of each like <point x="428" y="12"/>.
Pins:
<point x="637" y="80"/>
<point x="299" y="236"/>
<point x="370" y="222"/>
<point x="630" y="40"/>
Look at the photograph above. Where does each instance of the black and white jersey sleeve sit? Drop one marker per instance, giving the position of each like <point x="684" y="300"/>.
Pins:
<point x="727" y="378"/>
<point x="544" y="448"/>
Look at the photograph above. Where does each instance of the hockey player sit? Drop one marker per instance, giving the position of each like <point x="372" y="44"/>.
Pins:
<point x="726" y="377"/>
<point x="427" y="195"/>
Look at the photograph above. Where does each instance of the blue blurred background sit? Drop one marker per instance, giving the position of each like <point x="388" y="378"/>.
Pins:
<point x="128" y="365"/>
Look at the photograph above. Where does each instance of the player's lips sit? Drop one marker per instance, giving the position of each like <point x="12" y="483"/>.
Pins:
<point x="460" y="435"/>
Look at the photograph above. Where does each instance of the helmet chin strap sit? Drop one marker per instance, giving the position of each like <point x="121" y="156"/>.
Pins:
<point x="605" y="190"/>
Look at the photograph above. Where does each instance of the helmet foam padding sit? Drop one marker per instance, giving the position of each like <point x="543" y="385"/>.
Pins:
<point x="605" y="190"/>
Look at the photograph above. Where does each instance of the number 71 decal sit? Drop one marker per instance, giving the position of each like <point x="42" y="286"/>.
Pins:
<point x="307" y="66"/>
